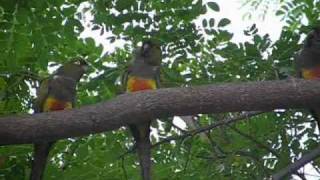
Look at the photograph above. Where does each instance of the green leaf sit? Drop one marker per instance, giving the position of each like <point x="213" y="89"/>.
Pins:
<point x="223" y="22"/>
<point x="280" y="12"/>
<point x="214" y="6"/>
<point x="122" y="5"/>
<point x="211" y="22"/>
<point x="204" y="23"/>
<point x="11" y="62"/>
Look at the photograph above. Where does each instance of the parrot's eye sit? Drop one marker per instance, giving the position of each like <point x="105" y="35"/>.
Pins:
<point x="77" y="63"/>
<point x="55" y="77"/>
<point x="85" y="67"/>
<point x="146" y="46"/>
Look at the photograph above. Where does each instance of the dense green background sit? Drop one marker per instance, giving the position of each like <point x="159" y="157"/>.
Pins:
<point x="35" y="34"/>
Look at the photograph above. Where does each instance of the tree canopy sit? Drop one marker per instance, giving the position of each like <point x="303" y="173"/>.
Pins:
<point x="36" y="36"/>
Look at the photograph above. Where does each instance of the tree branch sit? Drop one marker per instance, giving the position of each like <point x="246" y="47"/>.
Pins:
<point x="207" y="128"/>
<point x="198" y="131"/>
<point x="297" y="165"/>
<point x="258" y="143"/>
<point x="141" y="106"/>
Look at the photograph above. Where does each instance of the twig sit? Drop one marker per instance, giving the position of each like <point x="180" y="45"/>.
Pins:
<point x="194" y="124"/>
<point x="301" y="175"/>
<point x="188" y="158"/>
<point x="199" y="130"/>
<point x="131" y="150"/>
<point x="317" y="169"/>
<point x="264" y="147"/>
<point x="218" y="151"/>
<point x="124" y="168"/>
<point x="255" y="141"/>
<point x="297" y="165"/>
<point x="177" y="127"/>
<point x="254" y="159"/>
<point x="208" y="128"/>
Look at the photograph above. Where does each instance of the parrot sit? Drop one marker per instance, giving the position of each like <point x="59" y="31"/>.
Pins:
<point x="58" y="92"/>
<point x="307" y="63"/>
<point x="143" y="74"/>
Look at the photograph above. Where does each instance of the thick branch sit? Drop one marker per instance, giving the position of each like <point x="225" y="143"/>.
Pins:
<point x="142" y="106"/>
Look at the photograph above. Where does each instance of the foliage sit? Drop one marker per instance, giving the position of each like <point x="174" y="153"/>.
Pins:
<point x="37" y="35"/>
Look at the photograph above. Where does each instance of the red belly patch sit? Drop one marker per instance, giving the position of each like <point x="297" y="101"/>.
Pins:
<point x="139" y="84"/>
<point x="312" y="73"/>
<point x="53" y="104"/>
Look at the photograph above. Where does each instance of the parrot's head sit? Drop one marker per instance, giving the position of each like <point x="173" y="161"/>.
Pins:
<point x="73" y="69"/>
<point x="313" y="39"/>
<point x="151" y="52"/>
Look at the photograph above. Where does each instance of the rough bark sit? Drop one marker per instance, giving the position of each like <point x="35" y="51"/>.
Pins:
<point x="141" y="106"/>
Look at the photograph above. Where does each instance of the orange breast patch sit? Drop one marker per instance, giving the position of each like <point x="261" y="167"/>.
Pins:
<point x="139" y="84"/>
<point x="313" y="73"/>
<point x="52" y="104"/>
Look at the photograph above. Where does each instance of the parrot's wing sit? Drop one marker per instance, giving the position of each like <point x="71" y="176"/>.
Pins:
<point x="297" y="65"/>
<point x="124" y="78"/>
<point x="157" y="77"/>
<point x="42" y="94"/>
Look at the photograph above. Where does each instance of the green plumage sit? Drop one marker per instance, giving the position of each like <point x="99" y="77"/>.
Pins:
<point x="61" y="89"/>
<point x="145" y="66"/>
<point x="309" y="55"/>
<point x="307" y="63"/>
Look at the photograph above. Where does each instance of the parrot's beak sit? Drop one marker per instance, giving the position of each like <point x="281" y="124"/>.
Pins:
<point x="145" y="48"/>
<point x="85" y="67"/>
<point x="317" y="37"/>
<point x="84" y="64"/>
<point x="317" y="30"/>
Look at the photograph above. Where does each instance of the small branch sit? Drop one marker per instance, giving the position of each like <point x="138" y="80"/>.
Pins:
<point x="193" y="124"/>
<point x="297" y="165"/>
<point x="177" y="127"/>
<point x="254" y="159"/>
<point x="259" y="144"/>
<point x="131" y="150"/>
<point x="208" y="128"/>
<point x="124" y="168"/>
<point x="301" y="175"/>
<point x="188" y="157"/>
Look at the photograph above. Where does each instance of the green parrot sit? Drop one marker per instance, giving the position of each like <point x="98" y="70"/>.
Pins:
<point x="307" y="63"/>
<point x="55" y="93"/>
<point x="144" y="74"/>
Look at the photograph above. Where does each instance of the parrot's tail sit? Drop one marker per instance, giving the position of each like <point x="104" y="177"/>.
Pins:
<point x="144" y="153"/>
<point x="141" y="134"/>
<point x="316" y="115"/>
<point x="41" y="152"/>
